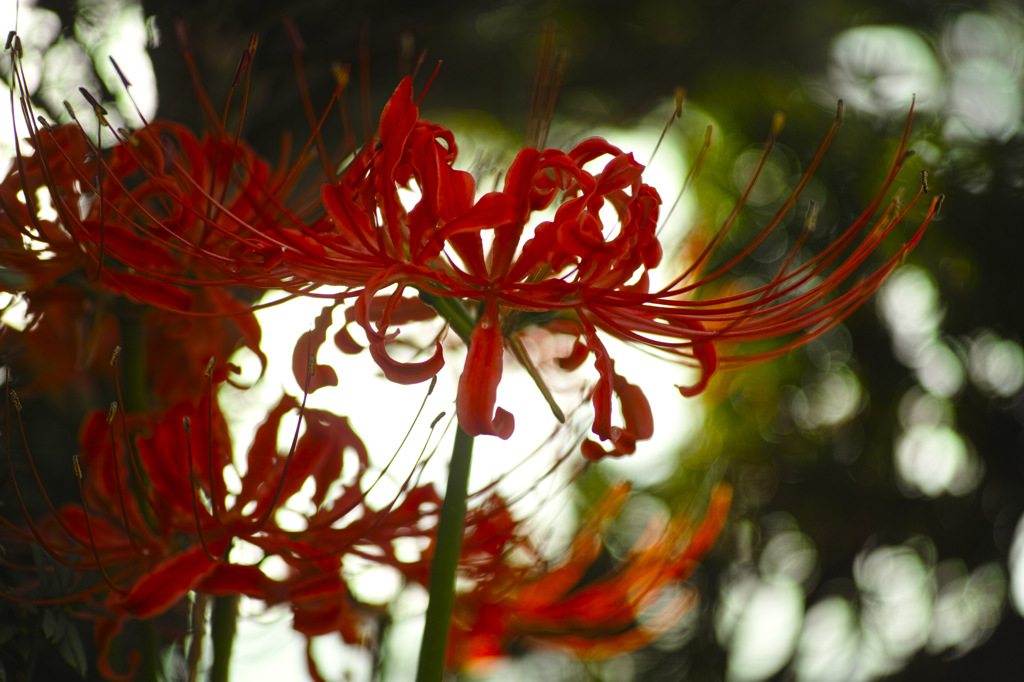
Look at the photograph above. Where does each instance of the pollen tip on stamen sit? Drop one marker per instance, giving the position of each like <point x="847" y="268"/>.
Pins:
<point x="10" y="40"/>
<point x="244" y="61"/>
<point x="341" y="74"/>
<point x="778" y="121"/>
<point x="840" y="111"/>
<point x="187" y="424"/>
<point x="120" y="74"/>
<point x="111" y="413"/>
<point x="70" y="110"/>
<point x="433" y="384"/>
<point x="680" y="98"/>
<point x="77" y="465"/>
<point x="924" y="181"/>
<point x="17" y="47"/>
<point x="115" y="355"/>
<point x="16" y="401"/>
<point x="438" y="418"/>
<point x="46" y="124"/>
<point x="209" y="368"/>
<point x="97" y="107"/>
<point x="811" y="221"/>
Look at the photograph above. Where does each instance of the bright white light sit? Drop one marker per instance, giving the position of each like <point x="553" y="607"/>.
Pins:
<point x="827" y="651"/>
<point x="117" y="28"/>
<point x="909" y="306"/>
<point x="935" y="460"/>
<point x="767" y="629"/>
<point x="968" y="606"/>
<point x="829" y="402"/>
<point x="996" y="365"/>
<point x="880" y="68"/>
<point x="897" y="606"/>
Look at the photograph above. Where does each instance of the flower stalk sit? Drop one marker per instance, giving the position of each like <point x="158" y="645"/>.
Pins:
<point x="447" y="548"/>
<point x="223" y="624"/>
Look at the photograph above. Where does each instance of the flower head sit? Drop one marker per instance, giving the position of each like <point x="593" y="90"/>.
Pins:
<point x="576" y="605"/>
<point x="158" y="517"/>
<point x="490" y="269"/>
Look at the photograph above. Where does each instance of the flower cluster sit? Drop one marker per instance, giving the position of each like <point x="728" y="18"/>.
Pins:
<point x="542" y="250"/>
<point x="161" y="244"/>
<point x="157" y="516"/>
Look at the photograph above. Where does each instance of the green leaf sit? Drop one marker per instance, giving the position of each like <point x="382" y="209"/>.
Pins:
<point x="72" y="651"/>
<point x="50" y="625"/>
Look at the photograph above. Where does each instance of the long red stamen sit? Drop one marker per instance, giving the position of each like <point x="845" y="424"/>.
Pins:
<point x="140" y="479"/>
<point x="192" y="487"/>
<point x="214" y="495"/>
<point x="13" y="398"/>
<point x="272" y="507"/>
<point x="307" y="104"/>
<point x="337" y="514"/>
<point x="79" y="475"/>
<point x="10" y="397"/>
<point x="117" y="477"/>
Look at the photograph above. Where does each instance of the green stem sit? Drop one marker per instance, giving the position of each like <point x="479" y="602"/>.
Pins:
<point x="453" y="312"/>
<point x="223" y="622"/>
<point x="446" y="560"/>
<point x="133" y="359"/>
<point x="149" y="668"/>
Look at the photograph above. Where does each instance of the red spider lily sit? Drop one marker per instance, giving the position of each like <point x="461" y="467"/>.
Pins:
<point x="617" y="610"/>
<point x="157" y="522"/>
<point x="161" y="219"/>
<point x="160" y="214"/>
<point x="47" y="259"/>
<point x="584" y="275"/>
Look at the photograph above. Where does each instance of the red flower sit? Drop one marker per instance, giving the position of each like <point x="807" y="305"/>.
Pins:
<point x="594" y="614"/>
<point x="53" y="254"/>
<point x="490" y="272"/>
<point x="153" y="526"/>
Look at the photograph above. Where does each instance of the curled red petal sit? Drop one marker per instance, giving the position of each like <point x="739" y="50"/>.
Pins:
<point x="575" y="358"/>
<point x="706" y="354"/>
<point x="478" y="385"/>
<point x="258" y="482"/>
<point x="104" y="633"/>
<point x="638" y="421"/>
<point x="395" y="371"/>
<point x="406" y="372"/>
<point x="602" y="393"/>
<point x="346" y="343"/>
<point x="168" y="582"/>
<point x="305" y="352"/>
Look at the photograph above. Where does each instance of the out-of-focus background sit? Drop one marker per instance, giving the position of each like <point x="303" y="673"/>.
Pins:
<point x="879" y="470"/>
